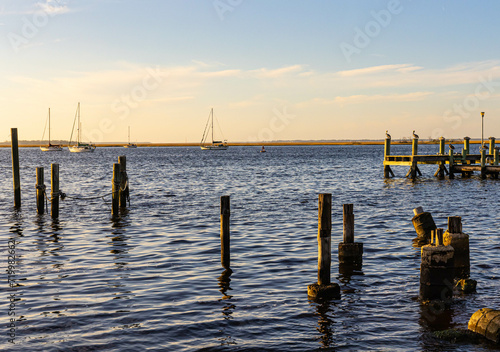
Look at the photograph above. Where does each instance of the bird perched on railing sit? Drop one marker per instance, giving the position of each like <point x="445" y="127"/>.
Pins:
<point x="387" y="135"/>
<point x="415" y="135"/>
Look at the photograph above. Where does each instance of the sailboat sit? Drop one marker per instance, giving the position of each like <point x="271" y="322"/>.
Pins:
<point x="130" y="145"/>
<point x="50" y="147"/>
<point x="79" y="147"/>
<point x="215" y="145"/>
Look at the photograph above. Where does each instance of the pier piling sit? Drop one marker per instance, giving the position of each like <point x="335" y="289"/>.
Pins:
<point x="424" y="225"/>
<point x="115" y="190"/>
<point x="324" y="289"/>
<point x="15" y="168"/>
<point x="436" y="269"/>
<point x="54" y="190"/>
<point x="387" y="151"/>
<point x="460" y="243"/>
<point x="40" y="191"/>
<point x="124" y="190"/>
<point x="350" y="253"/>
<point x="225" y="213"/>
<point x="486" y="322"/>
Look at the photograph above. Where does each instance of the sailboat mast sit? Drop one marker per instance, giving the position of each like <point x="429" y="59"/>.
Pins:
<point x="128" y="134"/>
<point x="212" y="113"/>
<point x="79" y="126"/>
<point x="49" y="126"/>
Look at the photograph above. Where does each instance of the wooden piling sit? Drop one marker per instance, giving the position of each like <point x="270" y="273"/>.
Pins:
<point x="124" y="190"/>
<point x="387" y="151"/>
<point x="40" y="191"/>
<point x="483" y="163"/>
<point x="350" y="253"/>
<point x="436" y="270"/>
<point x="225" y="213"/>
<point x="324" y="289"/>
<point x="451" y="164"/>
<point x="466" y="145"/>
<point x="442" y="142"/>
<point x="15" y="168"/>
<point x="460" y="242"/>
<point x="414" y="146"/>
<point x="324" y="238"/>
<point x="54" y="190"/>
<point x="492" y="144"/>
<point x="495" y="156"/>
<point x="424" y="225"/>
<point x="116" y="188"/>
<point x="486" y="322"/>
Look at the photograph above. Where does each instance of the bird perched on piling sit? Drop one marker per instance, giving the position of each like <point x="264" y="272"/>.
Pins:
<point x="387" y="135"/>
<point x="451" y="146"/>
<point x="415" y="135"/>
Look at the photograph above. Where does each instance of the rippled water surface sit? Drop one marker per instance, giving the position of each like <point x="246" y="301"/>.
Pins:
<point x="152" y="280"/>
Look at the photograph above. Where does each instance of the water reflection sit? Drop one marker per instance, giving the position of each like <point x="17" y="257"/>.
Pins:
<point x="120" y="249"/>
<point x="325" y="323"/>
<point x="436" y="316"/>
<point x="228" y="308"/>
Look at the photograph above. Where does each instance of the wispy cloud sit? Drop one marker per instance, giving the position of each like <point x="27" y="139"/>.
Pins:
<point x="53" y="7"/>
<point x="401" y="68"/>
<point x="362" y="98"/>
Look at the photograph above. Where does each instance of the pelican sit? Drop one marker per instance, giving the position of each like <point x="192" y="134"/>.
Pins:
<point x="387" y="135"/>
<point x="451" y="146"/>
<point x="415" y="135"/>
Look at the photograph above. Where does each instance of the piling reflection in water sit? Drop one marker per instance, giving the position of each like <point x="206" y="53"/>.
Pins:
<point x="120" y="249"/>
<point x="325" y="323"/>
<point x="228" y="308"/>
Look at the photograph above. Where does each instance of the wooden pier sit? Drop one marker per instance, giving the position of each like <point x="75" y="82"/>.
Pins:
<point x="462" y="162"/>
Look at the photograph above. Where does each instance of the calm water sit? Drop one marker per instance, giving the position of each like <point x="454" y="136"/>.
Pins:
<point x="153" y="279"/>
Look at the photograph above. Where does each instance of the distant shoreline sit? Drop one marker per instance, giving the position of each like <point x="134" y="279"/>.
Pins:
<point x="27" y="144"/>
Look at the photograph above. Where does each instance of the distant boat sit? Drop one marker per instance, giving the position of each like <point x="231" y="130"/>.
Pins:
<point x="130" y="145"/>
<point x="263" y="150"/>
<point x="50" y="147"/>
<point x="215" y="145"/>
<point x="79" y="147"/>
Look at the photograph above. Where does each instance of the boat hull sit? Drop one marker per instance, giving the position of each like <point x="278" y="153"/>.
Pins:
<point x="51" y="148"/>
<point x="213" y="147"/>
<point x="81" y="149"/>
<point x="130" y="146"/>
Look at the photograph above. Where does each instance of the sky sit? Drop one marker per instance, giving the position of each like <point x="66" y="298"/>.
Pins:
<point x="270" y="69"/>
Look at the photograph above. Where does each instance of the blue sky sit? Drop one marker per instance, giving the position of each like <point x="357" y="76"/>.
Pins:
<point x="272" y="70"/>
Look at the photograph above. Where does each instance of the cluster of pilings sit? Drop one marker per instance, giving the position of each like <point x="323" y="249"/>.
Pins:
<point x="120" y="188"/>
<point x="463" y="162"/>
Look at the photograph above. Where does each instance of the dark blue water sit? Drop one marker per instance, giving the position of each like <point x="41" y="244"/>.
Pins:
<point x="153" y="279"/>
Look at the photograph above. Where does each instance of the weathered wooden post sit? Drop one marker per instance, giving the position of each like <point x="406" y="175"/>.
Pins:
<point x="492" y="145"/>
<point x="350" y="253"/>
<point x="124" y="190"/>
<point x="436" y="270"/>
<point x="442" y="142"/>
<point x="486" y="322"/>
<point x="460" y="243"/>
<point x="424" y="225"/>
<point x="495" y="156"/>
<point x="414" y="146"/>
<point x="54" y="190"/>
<point x="451" y="167"/>
<point x="225" y="213"/>
<point x="116" y="188"/>
<point x="40" y="191"/>
<point x="15" y="168"/>
<point x="483" y="163"/>
<point x="387" y="152"/>
<point x="466" y="145"/>
<point x="324" y="289"/>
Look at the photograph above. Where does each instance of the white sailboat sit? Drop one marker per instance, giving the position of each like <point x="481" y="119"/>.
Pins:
<point x="130" y="145"/>
<point x="79" y="147"/>
<point x="215" y="145"/>
<point x="50" y="147"/>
